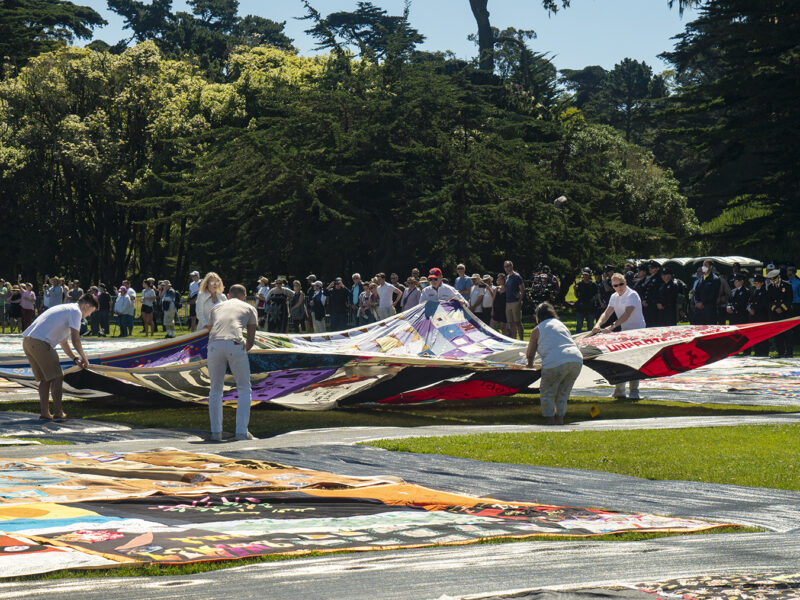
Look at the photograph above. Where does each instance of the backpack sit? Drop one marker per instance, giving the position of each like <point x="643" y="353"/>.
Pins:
<point x="178" y="303"/>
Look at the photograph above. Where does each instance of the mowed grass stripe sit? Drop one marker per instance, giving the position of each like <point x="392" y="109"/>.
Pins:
<point x="758" y="455"/>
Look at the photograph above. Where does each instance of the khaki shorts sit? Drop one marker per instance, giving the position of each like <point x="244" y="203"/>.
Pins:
<point x="43" y="358"/>
<point x="514" y="312"/>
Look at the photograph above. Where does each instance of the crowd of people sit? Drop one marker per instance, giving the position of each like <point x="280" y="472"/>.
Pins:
<point x="710" y="299"/>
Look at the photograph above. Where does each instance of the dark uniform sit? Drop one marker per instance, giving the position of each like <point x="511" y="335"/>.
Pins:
<point x="758" y="312"/>
<point x="651" y="288"/>
<point x="780" y="307"/>
<point x="706" y="292"/>
<point x="586" y="294"/>
<point x="737" y="304"/>
<point x="605" y="290"/>
<point x="668" y="300"/>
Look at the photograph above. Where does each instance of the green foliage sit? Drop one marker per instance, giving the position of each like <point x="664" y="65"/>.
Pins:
<point x="729" y="130"/>
<point x="759" y="456"/>
<point x="30" y="27"/>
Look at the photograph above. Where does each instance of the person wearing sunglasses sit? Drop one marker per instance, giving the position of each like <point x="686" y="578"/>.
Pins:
<point x="627" y="306"/>
<point x="438" y="291"/>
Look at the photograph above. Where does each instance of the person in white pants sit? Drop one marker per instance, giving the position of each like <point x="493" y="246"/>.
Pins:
<point x="226" y="348"/>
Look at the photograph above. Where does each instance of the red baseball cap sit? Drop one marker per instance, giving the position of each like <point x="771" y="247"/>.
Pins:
<point x="435" y="272"/>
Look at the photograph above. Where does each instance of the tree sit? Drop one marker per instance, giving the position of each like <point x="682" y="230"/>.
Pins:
<point x="487" y="41"/>
<point x="729" y="131"/>
<point x="30" y="27"/>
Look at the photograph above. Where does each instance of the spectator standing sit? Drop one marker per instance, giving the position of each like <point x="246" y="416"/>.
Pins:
<point x="394" y="279"/>
<point x="368" y="302"/>
<point x="123" y="307"/>
<point x="667" y="300"/>
<point x="737" y="304"/>
<point x="15" y="308"/>
<point x="210" y="293"/>
<point x="463" y="284"/>
<point x="779" y="294"/>
<point x="489" y="292"/>
<point x="57" y="326"/>
<point x="627" y="306"/>
<point x="104" y="309"/>
<point x="297" y="309"/>
<point x="355" y="294"/>
<point x="317" y="307"/>
<point x="75" y="291"/>
<point x="411" y="294"/>
<point x="338" y="301"/>
<point x="94" y="319"/>
<point x="147" y="310"/>
<point x="261" y="303"/>
<point x="227" y="349"/>
<point x="55" y="294"/>
<point x="706" y="293"/>
<point x="605" y="290"/>
<point x="515" y="290"/>
<point x="651" y="288"/>
<point x="27" y="302"/>
<point x="3" y="294"/>
<point x="561" y="362"/>
<point x="794" y="281"/>
<point x="278" y="299"/>
<point x="194" y="289"/>
<point x="639" y="279"/>
<point x="168" y="305"/>
<point x="758" y="311"/>
<point x="476" y="294"/>
<point x="498" y="321"/>
<point x="585" y="298"/>
<point x="388" y="296"/>
<point x="310" y="279"/>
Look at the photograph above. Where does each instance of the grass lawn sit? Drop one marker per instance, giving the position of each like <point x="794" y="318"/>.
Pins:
<point x="761" y="455"/>
<point x="267" y="421"/>
<point x="42" y="441"/>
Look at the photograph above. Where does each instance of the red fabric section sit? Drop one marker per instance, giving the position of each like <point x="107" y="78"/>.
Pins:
<point x="466" y="390"/>
<point x="678" y="358"/>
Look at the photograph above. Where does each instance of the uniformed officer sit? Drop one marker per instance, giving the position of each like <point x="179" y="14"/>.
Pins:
<point x="651" y="288"/>
<point x="667" y="299"/>
<point x="779" y="293"/>
<point x="736" y="309"/>
<point x="639" y="279"/>
<point x="758" y="311"/>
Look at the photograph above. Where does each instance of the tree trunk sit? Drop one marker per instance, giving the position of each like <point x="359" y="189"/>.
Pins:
<point x="485" y="36"/>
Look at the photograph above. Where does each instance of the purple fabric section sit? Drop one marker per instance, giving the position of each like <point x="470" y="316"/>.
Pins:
<point x="424" y="327"/>
<point x="280" y="383"/>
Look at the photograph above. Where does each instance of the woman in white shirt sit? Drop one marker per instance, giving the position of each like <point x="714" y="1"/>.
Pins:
<point x="561" y="362"/>
<point x="209" y="295"/>
<point x="148" y="299"/>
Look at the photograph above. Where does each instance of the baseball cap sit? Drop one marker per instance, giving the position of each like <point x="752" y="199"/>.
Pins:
<point x="435" y="272"/>
<point x="586" y="270"/>
<point x="193" y="273"/>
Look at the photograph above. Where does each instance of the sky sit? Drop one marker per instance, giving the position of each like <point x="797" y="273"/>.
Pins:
<point x="589" y="32"/>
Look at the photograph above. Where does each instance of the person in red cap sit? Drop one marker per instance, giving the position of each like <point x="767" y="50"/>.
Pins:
<point x="438" y="291"/>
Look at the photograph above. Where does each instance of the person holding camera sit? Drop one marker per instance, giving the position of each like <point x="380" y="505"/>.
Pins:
<point x="338" y="299"/>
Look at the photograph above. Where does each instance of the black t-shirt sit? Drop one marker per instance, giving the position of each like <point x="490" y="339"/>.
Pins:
<point x="104" y="300"/>
<point x="585" y="292"/>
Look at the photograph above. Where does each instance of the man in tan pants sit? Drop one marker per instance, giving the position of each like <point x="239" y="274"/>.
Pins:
<point x="56" y="326"/>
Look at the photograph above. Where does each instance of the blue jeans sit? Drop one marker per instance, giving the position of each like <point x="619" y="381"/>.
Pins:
<point x="580" y="318"/>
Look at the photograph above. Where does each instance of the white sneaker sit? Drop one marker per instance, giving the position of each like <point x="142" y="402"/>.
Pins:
<point x="216" y="437"/>
<point x="240" y="437"/>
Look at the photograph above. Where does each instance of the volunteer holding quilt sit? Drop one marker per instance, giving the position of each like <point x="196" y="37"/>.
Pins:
<point x="58" y="325"/>
<point x="561" y="362"/>
<point x="627" y="305"/>
<point x="226" y="348"/>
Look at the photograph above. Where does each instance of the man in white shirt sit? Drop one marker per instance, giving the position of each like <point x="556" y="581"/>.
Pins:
<point x="388" y="295"/>
<point x="627" y="305"/>
<point x="56" y="326"/>
<point x="226" y="348"/>
<point x="438" y="291"/>
<point x="194" y="289"/>
<point x="476" y="296"/>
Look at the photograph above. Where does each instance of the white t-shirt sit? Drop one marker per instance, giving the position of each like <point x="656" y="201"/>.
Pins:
<point x="148" y="296"/>
<point x="443" y="294"/>
<point x="205" y="304"/>
<point x="194" y="287"/>
<point x="488" y="299"/>
<point x="53" y="326"/>
<point x="131" y="292"/>
<point x="620" y="303"/>
<point x="229" y="318"/>
<point x="555" y="344"/>
<point x="385" y="293"/>
<point x="476" y="297"/>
